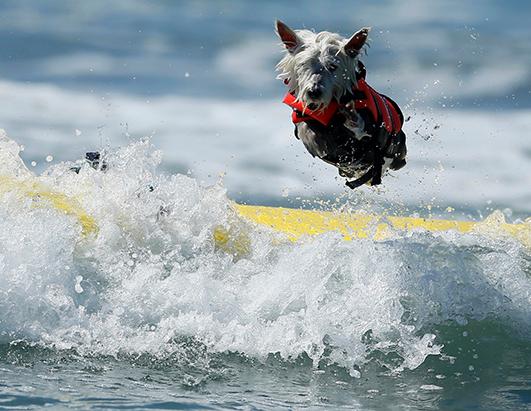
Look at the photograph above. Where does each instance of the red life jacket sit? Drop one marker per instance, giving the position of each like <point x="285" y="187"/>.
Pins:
<point x="383" y="110"/>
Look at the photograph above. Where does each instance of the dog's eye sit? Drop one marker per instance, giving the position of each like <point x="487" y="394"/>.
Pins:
<point x="331" y="67"/>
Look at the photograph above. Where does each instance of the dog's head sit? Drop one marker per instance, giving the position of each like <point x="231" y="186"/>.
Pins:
<point x="319" y="66"/>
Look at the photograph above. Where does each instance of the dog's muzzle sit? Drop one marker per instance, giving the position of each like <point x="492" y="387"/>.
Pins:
<point x="302" y="112"/>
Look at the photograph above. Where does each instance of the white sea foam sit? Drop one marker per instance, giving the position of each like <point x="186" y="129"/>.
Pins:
<point x="152" y="275"/>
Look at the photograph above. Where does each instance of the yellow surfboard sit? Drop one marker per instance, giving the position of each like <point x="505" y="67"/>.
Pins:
<point x="294" y="223"/>
<point x="44" y="196"/>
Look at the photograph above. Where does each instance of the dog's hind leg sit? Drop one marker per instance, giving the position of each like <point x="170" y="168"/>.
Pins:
<point x="398" y="152"/>
<point x="364" y="179"/>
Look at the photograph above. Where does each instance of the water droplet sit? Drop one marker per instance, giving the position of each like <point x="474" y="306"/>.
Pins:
<point x="49" y="158"/>
<point x="431" y="387"/>
<point x="78" y="287"/>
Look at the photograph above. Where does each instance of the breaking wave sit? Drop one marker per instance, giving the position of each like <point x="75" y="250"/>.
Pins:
<point x="153" y="275"/>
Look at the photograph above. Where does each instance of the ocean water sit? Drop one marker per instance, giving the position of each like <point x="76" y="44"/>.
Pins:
<point x="182" y="99"/>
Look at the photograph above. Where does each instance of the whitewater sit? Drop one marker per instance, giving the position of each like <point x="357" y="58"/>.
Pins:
<point x="151" y="284"/>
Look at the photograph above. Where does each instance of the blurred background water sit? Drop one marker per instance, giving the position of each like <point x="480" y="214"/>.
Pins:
<point x="198" y="78"/>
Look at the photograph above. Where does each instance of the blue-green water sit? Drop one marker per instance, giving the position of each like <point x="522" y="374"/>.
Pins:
<point x="193" y="379"/>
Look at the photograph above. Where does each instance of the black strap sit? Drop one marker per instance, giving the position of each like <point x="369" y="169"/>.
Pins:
<point x="362" y="71"/>
<point x="377" y="168"/>
<point x="365" y="178"/>
<point x="374" y="174"/>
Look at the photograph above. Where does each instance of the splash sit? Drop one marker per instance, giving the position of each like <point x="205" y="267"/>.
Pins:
<point x="152" y="275"/>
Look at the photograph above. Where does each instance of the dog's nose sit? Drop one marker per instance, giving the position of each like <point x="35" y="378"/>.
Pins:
<point x="315" y="92"/>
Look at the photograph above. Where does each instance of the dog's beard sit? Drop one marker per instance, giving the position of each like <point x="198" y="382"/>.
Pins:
<point x="320" y="104"/>
<point x="315" y="104"/>
<point x="334" y="87"/>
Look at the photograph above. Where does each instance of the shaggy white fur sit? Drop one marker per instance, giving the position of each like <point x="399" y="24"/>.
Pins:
<point x="318" y="60"/>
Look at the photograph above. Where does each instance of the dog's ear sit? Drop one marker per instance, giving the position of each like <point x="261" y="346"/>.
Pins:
<point x="356" y="42"/>
<point x="288" y="36"/>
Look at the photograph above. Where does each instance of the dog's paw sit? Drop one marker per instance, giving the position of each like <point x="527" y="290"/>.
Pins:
<point x="397" y="164"/>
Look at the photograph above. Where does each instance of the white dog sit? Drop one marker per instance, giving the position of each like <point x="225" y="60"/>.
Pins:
<point x="337" y="115"/>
